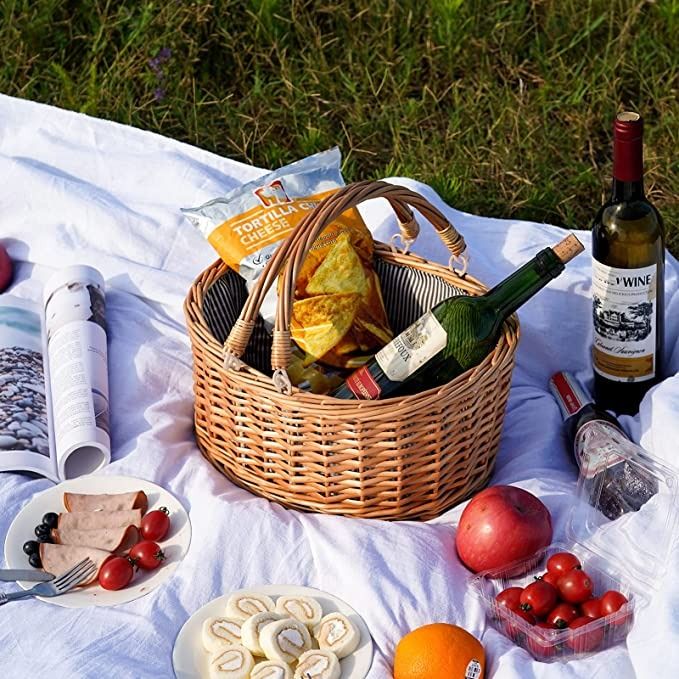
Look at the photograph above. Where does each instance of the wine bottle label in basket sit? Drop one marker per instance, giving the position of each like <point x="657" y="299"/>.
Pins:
<point x="412" y="348"/>
<point x="363" y="384"/>
<point x="625" y="322"/>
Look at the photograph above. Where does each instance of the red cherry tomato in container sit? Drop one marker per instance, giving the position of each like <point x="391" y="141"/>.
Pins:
<point x="542" y="646"/>
<point x="562" y="562"/>
<point x="512" y="629"/>
<point x="551" y="578"/>
<point x="562" y="615"/>
<point x="611" y="602"/>
<point x="575" y="587"/>
<point x="116" y="573"/>
<point x="539" y="598"/>
<point x="587" y="640"/>
<point x="155" y="524"/>
<point x="591" y="608"/>
<point x="510" y="598"/>
<point x="147" y="555"/>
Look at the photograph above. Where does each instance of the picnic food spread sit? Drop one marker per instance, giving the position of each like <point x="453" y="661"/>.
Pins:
<point x="288" y="637"/>
<point x="112" y="530"/>
<point x="338" y="315"/>
<point x="316" y="278"/>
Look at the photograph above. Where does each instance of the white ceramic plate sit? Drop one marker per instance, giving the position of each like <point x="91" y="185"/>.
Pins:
<point x="190" y="660"/>
<point x="175" y="544"/>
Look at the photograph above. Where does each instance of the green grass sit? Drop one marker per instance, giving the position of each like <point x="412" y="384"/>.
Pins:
<point x="505" y="107"/>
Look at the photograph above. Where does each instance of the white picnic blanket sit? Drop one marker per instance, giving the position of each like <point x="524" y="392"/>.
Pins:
<point x="80" y="190"/>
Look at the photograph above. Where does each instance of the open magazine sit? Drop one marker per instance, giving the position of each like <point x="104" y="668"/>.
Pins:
<point x="54" y="409"/>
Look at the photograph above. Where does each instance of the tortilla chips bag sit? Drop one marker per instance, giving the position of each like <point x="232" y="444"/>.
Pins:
<point x="338" y="315"/>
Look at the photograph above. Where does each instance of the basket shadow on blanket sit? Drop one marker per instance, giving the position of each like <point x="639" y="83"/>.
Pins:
<point x="425" y="462"/>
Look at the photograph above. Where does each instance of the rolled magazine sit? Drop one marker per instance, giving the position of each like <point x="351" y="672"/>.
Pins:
<point x="54" y="400"/>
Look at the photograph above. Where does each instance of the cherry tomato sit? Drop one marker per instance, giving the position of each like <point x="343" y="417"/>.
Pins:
<point x="591" y="608"/>
<point x="551" y="578"/>
<point x="575" y="587"/>
<point x="539" y="598"/>
<point x="147" y="555"/>
<point x="562" y="562"/>
<point x="542" y="646"/>
<point x="509" y="598"/>
<point x="116" y="573"/>
<point x="562" y="615"/>
<point x="586" y="641"/>
<point x="611" y="602"/>
<point x="155" y="524"/>
<point x="512" y="630"/>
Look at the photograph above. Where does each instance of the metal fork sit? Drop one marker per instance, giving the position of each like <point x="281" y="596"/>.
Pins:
<point x="60" y="585"/>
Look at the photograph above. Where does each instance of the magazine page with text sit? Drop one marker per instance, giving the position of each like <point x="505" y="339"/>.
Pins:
<point x="24" y="427"/>
<point x="76" y="360"/>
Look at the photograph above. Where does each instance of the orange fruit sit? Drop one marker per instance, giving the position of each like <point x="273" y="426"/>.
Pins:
<point x="439" y="651"/>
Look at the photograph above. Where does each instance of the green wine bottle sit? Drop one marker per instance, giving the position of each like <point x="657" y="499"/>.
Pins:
<point x="456" y="334"/>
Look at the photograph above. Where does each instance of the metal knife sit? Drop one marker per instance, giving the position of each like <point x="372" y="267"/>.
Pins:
<point x="12" y="575"/>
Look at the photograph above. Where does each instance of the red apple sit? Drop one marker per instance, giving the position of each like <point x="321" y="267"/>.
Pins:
<point x="502" y="524"/>
<point x="5" y="269"/>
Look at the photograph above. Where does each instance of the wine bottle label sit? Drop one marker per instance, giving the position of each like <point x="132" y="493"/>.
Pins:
<point x="625" y="322"/>
<point x="363" y="385"/>
<point x="412" y="348"/>
<point x="594" y="459"/>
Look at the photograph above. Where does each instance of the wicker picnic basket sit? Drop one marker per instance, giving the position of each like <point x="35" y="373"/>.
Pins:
<point x="397" y="458"/>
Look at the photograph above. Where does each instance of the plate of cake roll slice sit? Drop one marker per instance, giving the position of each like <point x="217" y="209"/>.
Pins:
<point x="274" y="632"/>
<point x="101" y="517"/>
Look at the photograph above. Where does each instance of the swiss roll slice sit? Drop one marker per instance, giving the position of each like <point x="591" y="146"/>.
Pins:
<point x="231" y="662"/>
<point x="302" y="608"/>
<point x="285" y="640"/>
<point x="338" y="634"/>
<point x="220" y="632"/>
<point x="252" y="627"/>
<point x="244" y="605"/>
<point x="318" y="664"/>
<point x="271" y="669"/>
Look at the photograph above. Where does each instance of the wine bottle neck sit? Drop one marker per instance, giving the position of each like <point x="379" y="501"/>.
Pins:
<point x="628" y="158"/>
<point x="510" y="294"/>
<point x="625" y="192"/>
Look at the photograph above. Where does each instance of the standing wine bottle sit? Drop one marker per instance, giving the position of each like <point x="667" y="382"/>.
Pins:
<point x="456" y="334"/>
<point x="615" y="478"/>
<point x="628" y="270"/>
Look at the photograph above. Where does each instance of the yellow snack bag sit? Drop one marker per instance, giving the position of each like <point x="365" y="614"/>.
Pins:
<point x="336" y="282"/>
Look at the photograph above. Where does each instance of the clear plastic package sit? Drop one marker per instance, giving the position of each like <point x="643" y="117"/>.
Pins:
<point x="628" y="554"/>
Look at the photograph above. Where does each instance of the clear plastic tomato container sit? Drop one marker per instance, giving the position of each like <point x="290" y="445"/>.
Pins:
<point x="621" y="527"/>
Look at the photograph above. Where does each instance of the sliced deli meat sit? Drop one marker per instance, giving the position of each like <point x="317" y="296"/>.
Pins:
<point x="116" y="540"/>
<point x="57" y="559"/>
<point x="81" y="502"/>
<point x="97" y="520"/>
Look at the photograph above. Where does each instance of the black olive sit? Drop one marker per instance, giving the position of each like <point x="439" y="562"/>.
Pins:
<point x="34" y="560"/>
<point x="51" y="519"/>
<point x="31" y="547"/>
<point x="42" y="529"/>
<point x="45" y="538"/>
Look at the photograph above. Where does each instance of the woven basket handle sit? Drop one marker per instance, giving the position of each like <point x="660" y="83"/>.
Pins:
<point x="288" y="258"/>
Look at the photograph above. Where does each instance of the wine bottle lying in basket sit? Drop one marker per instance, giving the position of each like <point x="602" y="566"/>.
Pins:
<point x="456" y="335"/>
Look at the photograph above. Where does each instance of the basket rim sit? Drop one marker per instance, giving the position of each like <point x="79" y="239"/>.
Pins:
<point x="200" y="332"/>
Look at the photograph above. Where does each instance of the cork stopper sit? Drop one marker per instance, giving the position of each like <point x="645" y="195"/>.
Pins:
<point x="568" y="248"/>
<point x="628" y="117"/>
